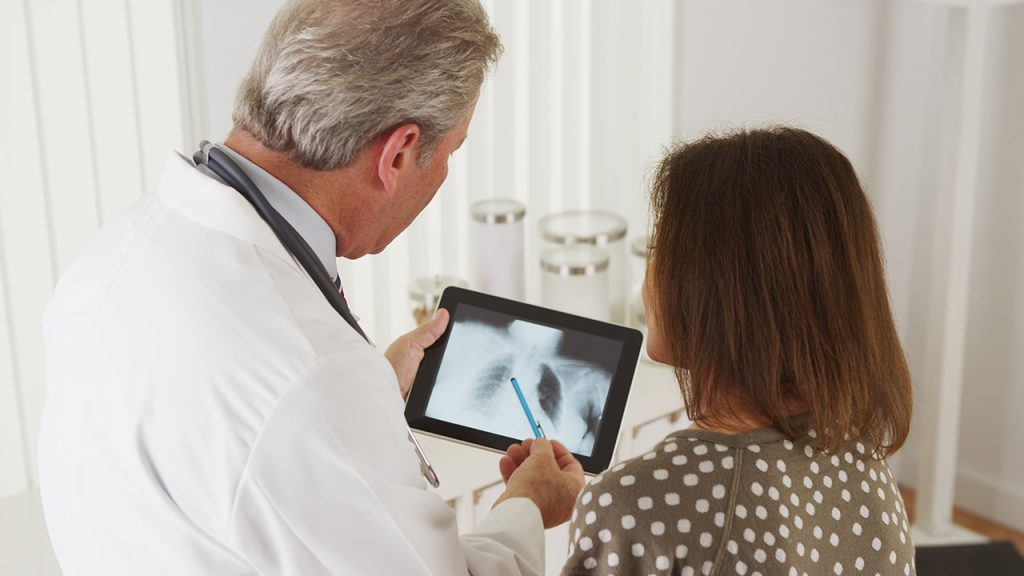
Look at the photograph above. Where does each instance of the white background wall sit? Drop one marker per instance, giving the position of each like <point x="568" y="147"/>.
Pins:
<point x="97" y="92"/>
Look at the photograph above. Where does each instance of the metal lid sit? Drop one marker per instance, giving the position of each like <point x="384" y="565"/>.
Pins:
<point x="427" y="289"/>
<point x="640" y="246"/>
<point x="574" y="261"/>
<point x="497" y="211"/>
<point x="583" y="227"/>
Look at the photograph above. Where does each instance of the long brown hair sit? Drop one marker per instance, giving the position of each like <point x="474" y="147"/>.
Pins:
<point x="769" y="288"/>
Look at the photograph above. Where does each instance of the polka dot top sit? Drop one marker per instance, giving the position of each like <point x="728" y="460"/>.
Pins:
<point x="751" y="504"/>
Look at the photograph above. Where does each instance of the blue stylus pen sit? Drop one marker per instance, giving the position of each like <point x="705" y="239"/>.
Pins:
<point x="538" y="432"/>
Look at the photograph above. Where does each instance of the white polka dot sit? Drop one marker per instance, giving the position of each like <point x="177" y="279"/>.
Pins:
<point x="842" y="476"/>
<point x="661" y="563"/>
<point x="732" y="547"/>
<point x="613" y="559"/>
<point x="760" y="555"/>
<point x="838" y="569"/>
<point x="827" y="481"/>
<point x="773" y="492"/>
<point x="835" y="460"/>
<point x="707" y="466"/>
<point x="618" y="467"/>
<point x="741" y="568"/>
<point x="864" y="486"/>
<point x="836" y="514"/>
<point x="741" y="511"/>
<point x="761" y="513"/>
<point x="769" y="538"/>
<point x="702" y="505"/>
<point x="892" y="557"/>
<point x="814" y="554"/>
<point x="818" y="497"/>
<point x="672" y="499"/>
<point x="590" y="517"/>
<point x="754" y="448"/>
<point x="787" y="481"/>
<point x="874" y="475"/>
<point x="903" y="537"/>
<point x="658" y="528"/>
<point x="906" y="569"/>
<point x="718" y="491"/>
<point x="605" y="535"/>
<point x="818" y="532"/>
<point x="628" y="522"/>
<point x="683" y="526"/>
<point x="749" y="535"/>
<point x="627" y="480"/>
<point x="783" y="530"/>
<point x="604" y="499"/>
<point x="859" y="564"/>
<point x="720" y="519"/>
<point x="794" y="499"/>
<point x="670" y="447"/>
<point x="809" y="508"/>
<point x="812" y="433"/>
<point x="784" y="510"/>
<point x="706" y="569"/>
<point x="590" y="563"/>
<point x="757" y="489"/>
<point x="721" y="447"/>
<point x="587" y="496"/>
<point x="798" y="522"/>
<point x="661" y="474"/>
<point x="834" y="539"/>
<point x="885" y="518"/>
<point x="881" y="493"/>
<point x="860" y="447"/>
<point x="586" y="543"/>
<point x="700" y="449"/>
<point x="800" y="548"/>
<point x="809" y="451"/>
<point x="787" y="444"/>
<point x="681" y="551"/>
<point x="815" y="468"/>
<point x="761" y="465"/>
<point x="645" y="503"/>
<point x="687" y="571"/>
<point x="650" y="456"/>
<point x="848" y="457"/>
<point x="845" y="495"/>
<point x="727" y="463"/>
<point x="780" y="554"/>
<point x="706" y="539"/>
<point x="781" y="465"/>
<point x="690" y="479"/>
<point x="857" y="529"/>
<point x="876" y="544"/>
<point x="864" y="511"/>
<point x="808" y="483"/>
<point x="679" y="459"/>
<point x="638" y="549"/>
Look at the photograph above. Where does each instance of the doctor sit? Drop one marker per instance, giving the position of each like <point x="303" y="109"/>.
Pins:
<point x="209" y="412"/>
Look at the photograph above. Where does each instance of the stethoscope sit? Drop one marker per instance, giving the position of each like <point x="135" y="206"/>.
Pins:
<point x="227" y="170"/>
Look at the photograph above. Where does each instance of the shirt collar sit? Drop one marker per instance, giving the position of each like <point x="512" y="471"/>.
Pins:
<point x="306" y="221"/>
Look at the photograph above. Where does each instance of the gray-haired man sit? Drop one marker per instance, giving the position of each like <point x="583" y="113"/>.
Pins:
<point x="208" y="411"/>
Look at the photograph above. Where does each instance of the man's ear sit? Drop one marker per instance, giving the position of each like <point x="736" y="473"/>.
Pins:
<point x="398" y="155"/>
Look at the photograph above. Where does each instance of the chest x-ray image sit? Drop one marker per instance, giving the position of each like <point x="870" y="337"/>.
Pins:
<point x="565" y="376"/>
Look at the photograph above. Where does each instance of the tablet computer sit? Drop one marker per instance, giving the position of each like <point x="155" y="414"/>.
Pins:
<point x="573" y="375"/>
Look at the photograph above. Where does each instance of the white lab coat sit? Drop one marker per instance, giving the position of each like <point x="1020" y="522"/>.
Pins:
<point x="210" y="413"/>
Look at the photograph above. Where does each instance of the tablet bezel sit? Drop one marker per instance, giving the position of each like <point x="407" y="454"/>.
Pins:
<point x="615" y="403"/>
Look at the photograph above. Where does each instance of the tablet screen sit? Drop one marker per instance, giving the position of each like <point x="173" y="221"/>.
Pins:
<point x="564" y="375"/>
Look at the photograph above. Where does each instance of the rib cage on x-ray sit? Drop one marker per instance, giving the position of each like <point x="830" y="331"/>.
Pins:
<point x="473" y="387"/>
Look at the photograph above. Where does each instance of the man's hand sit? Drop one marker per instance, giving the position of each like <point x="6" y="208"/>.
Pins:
<point x="545" y="472"/>
<point x="406" y="352"/>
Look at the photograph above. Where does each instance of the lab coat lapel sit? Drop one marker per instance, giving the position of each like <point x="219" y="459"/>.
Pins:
<point x="216" y="205"/>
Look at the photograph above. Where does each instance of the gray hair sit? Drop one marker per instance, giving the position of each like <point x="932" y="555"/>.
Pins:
<point x="333" y="75"/>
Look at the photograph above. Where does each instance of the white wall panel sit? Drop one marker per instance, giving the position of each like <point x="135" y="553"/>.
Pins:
<point x="28" y="258"/>
<point x="117" y="157"/>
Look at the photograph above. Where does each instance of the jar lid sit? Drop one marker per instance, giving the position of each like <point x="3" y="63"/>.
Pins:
<point x="583" y="227"/>
<point x="640" y="246"/>
<point x="574" y="261"/>
<point x="497" y="211"/>
<point x="427" y="289"/>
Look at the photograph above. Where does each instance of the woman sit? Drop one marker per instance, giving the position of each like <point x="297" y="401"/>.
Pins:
<point x="766" y="292"/>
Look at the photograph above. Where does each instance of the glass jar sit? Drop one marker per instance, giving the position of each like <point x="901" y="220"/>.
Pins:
<point x="425" y="293"/>
<point x="575" y="280"/>
<point x="603" y="230"/>
<point x="496" y="247"/>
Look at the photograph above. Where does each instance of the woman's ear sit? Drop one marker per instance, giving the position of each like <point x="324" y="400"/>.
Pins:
<point x="398" y="155"/>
